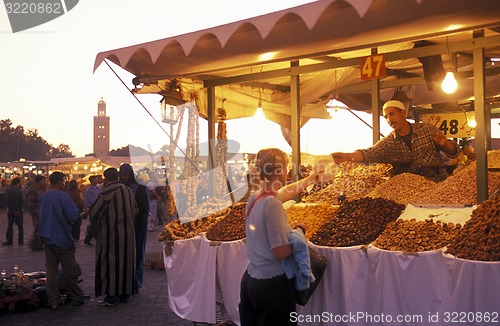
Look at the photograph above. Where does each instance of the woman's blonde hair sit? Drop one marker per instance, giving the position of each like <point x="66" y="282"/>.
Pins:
<point x="269" y="161"/>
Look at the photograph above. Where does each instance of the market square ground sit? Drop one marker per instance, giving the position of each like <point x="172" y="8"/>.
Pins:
<point x="149" y="307"/>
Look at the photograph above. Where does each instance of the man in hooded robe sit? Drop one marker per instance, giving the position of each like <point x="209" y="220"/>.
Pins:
<point x="114" y="210"/>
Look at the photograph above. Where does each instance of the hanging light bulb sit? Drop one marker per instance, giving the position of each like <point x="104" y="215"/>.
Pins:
<point x="449" y="84"/>
<point x="259" y="113"/>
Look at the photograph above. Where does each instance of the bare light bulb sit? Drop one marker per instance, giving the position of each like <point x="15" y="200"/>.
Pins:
<point x="449" y="84"/>
<point x="259" y="114"/>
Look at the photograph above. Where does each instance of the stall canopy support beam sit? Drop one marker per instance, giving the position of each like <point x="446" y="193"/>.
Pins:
<point x="375" y="106"/>
<point x="480" y="112"/>
<point x="295" y="124"/>
<point x="212" y="139"/>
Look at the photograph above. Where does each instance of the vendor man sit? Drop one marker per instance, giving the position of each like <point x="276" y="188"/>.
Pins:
<point x="410" y="147"/>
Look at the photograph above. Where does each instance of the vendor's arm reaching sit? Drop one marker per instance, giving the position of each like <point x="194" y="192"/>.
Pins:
<point x="356" y="157"/>
<point x="293" y="189"/>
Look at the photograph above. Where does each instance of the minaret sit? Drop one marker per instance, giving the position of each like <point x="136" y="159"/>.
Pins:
<point x="101" y="131"/>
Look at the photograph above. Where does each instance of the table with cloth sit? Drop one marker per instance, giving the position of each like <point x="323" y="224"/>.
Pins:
<point x="362" y="285"/>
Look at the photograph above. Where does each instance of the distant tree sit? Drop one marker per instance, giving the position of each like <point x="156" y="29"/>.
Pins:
<point x="16" y="143"/>
<point x="61" y="151"/>
<point x="126" y="150"/>
<point x="34" y="147"/>
<point x="122" y="151"/>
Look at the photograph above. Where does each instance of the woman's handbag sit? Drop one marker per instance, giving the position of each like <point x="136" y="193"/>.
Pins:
<point x="318" y="267"/>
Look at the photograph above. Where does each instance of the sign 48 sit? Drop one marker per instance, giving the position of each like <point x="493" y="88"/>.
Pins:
<point x="449" y="127"/>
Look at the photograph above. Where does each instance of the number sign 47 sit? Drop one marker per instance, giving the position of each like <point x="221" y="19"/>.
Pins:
<point x="373" y="67"/>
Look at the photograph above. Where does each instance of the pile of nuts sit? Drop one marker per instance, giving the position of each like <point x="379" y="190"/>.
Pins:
<point x="358" y="222"/>
<point x="403" y="188"/>
<point x="416" y="236"/>
<point x="231" y="227"/>
<point x="459" y="188"/>
<point x="176" y="230"/>
<point x="311" y="216"/>
<point x="354" y="182"/>
<point x="479" y="239"/>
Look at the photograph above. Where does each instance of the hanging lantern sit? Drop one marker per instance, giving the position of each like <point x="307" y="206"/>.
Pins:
<point x="169" y="113"/>
<point x="171" y="103"/>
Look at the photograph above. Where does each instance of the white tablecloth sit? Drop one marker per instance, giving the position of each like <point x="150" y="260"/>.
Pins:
<point x="191" y="273"/>
<point x="360" y="287"/>
<point x="191" y="279"/>
<point x="379" y="286"/>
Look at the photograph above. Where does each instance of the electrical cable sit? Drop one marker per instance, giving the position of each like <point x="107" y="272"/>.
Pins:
<point x="156" y="122"/>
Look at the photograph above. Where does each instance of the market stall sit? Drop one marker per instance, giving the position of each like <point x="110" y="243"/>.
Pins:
<point x="404" y="269"/>
<point x="242" y="64"/>
<point x="364" y="283"/>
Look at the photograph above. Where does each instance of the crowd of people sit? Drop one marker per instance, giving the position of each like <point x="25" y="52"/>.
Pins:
<point x="120" y="211"/>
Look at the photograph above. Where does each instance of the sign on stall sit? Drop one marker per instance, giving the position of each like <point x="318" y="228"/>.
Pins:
<point x="452" y="125"/>
<point x="373" y="67"/>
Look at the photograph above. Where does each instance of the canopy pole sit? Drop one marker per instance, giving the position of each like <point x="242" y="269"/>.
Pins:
<point x="481" y="133"/>
<point x="212" y="139"/>
<point x="375" y="106"/>
<point x="295" y="124"/>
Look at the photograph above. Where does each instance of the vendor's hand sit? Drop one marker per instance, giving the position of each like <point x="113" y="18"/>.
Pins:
<point x="439" y="139"/>
<point x="339" y="157"/>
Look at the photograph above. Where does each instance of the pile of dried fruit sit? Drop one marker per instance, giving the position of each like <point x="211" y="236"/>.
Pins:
<point x="231" y="227"/>
<point x="479" y="239"/>
<point x="176" y="230"/>
<point x="311" y="216"/>
<point x="416" y="236"/>
<point x="403" y="188"/>
<point x="459" y="188"/>
<point x="358" y="222"/>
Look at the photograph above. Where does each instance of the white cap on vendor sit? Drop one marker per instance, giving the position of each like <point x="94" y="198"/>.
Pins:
<point x="394" y="103"/>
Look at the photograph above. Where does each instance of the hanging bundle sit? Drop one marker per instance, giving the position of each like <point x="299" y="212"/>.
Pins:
<point x="172" y="176"/>
<point x="190" y="172"/>
<point x="221" y="151"/>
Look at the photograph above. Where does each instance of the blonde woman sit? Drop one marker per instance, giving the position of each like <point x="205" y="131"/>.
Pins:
<point x="266" y="295"/>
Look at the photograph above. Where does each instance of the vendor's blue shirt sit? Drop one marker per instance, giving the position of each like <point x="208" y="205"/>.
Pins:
<point x="57" y="213"/>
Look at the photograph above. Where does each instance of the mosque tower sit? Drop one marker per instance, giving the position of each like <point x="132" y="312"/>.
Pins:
<point x="101" y="131"/>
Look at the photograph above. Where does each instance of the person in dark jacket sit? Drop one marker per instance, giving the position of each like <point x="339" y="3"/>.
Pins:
<point x="14" y="200"/>
<point x="127" y="177"/>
